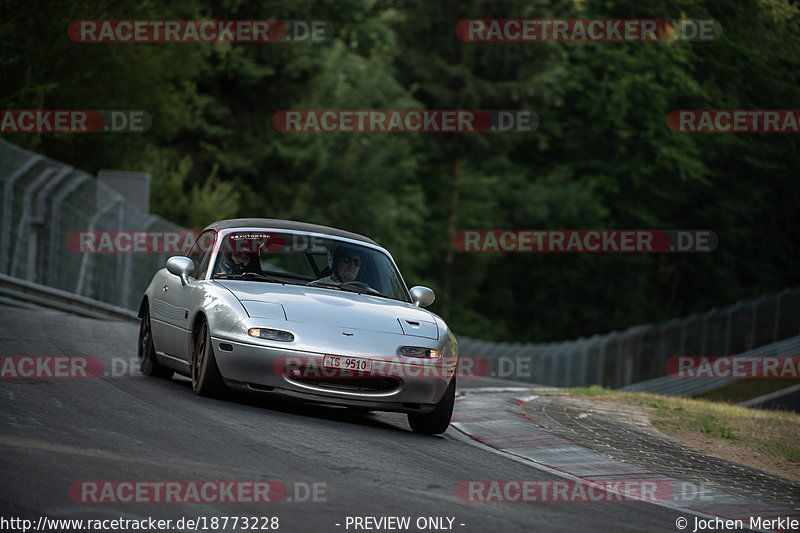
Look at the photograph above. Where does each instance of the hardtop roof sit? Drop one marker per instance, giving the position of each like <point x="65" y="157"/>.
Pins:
<point x="274" y="223"/>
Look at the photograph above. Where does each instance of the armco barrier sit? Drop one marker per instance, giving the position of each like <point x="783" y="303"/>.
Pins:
<point x="43" y="201"/>
<point x="13" y="290"/>
<point x="640" y="353"/>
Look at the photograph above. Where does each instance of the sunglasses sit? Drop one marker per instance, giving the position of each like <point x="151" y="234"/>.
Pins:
<point x="354" y="260"/>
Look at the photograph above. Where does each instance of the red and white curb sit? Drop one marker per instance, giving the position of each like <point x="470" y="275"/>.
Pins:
<point x="494" y="417"/>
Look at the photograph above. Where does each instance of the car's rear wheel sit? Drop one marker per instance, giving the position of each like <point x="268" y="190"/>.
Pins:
<point x="148" y="364"/>
<point x="437" y="420"/>
<point x="206" y="379"/>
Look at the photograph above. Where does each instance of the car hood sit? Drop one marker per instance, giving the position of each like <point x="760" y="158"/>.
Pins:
<point x="330" y="307"/>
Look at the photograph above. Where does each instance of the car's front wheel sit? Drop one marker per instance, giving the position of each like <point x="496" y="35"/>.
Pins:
<point x="148" y="364"/>
<point x="206" y="379"/>
<point x="438" y="420"/>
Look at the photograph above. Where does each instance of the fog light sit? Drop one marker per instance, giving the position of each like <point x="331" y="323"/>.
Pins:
<point x="419" y="352"/>
<point x="270" y="334"/>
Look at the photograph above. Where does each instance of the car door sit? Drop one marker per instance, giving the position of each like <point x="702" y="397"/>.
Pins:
<point x="169" y="315"/>
<point x="175" y="303"/>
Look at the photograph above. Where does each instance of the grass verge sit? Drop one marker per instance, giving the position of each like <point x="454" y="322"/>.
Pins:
<point x="769" y="440"/>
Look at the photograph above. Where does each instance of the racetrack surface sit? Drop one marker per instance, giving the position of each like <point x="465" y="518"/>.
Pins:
<point x="129" y="427"/>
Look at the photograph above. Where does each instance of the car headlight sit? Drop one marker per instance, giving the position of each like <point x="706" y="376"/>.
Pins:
<point x="271" y="334"/>
<point x="419" y="352"/>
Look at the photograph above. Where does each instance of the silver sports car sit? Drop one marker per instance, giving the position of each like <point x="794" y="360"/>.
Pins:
<point x="302" y="310"/>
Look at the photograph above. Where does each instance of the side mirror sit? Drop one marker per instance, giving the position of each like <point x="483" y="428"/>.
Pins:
<point x="422" y="296"/>
<point x="180" y="266"/>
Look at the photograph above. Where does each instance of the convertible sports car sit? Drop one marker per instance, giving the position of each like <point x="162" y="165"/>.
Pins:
<point x="302" y="310"/>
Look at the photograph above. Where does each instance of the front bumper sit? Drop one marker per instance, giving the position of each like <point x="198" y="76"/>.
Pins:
<point x="394" y="383"/>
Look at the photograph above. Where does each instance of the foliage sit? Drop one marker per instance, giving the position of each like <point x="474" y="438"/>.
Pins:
<point x="602" y="156"/>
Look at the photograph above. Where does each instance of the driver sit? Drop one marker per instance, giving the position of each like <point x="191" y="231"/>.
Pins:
<point x="237" y="263"/>
<point x="347" y="264"/>
<point x="239" y="255"/>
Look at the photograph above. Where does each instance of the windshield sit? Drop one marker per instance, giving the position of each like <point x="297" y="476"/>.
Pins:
<point x="300" y="259"/>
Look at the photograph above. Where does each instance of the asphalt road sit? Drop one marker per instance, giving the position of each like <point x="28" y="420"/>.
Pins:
<point x="57" y="433"/>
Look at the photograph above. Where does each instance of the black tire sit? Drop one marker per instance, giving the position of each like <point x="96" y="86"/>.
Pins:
<point x="438" y="420"/>
<point x="148" y="364"/>
<point x="206" y="379"/>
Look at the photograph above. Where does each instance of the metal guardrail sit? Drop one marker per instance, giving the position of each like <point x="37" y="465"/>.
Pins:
<point x="781" y="399"/>
<point x="672" y="386"/>
<point x="44" y="204"/>
<point x="640" y="353"/>
<point x="16" y="291"/>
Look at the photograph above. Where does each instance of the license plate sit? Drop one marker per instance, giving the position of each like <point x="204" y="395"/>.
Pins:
<point x="353" y="364"/>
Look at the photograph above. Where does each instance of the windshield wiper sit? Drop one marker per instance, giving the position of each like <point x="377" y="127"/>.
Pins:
<point x="328" y="285"/>
<point x="254" y="276"/>
<point x="359" y="289"/>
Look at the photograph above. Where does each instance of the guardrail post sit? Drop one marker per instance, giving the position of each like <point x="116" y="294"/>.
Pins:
<point x="27" y="238"/>
<point x="778" y="314"/>
<point x="8" y="208"/>
<point x="78" y="178"/>
<point x="727" y="346"/>
<point x="83" y="274"/>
